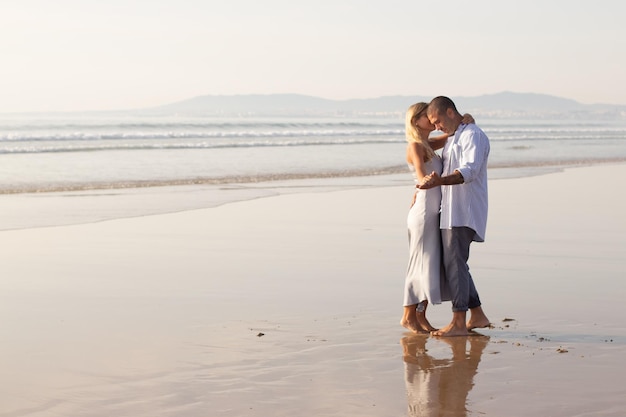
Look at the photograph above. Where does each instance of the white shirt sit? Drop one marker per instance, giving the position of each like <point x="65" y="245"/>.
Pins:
<point x="465" y="205"/>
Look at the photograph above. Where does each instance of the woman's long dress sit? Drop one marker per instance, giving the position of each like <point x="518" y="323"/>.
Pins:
<point x="424" y="278"/>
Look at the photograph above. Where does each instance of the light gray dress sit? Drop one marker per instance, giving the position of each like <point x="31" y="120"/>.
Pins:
<point x="425" y="278"/>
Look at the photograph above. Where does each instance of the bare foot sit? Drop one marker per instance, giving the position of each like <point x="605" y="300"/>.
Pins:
<point x="455" y="328"/>
<point x="412" y="326"/>
<point x="451" y="330"/>
<point x="471" y="325"/>
<point x="478" y="319"/>
<point x="423" y="322"/>
<point x="443" y="329"/>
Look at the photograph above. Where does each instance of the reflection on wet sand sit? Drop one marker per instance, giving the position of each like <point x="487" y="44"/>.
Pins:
<point x="439" y="387"/>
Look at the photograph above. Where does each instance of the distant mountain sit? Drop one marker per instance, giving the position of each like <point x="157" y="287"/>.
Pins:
<point x="521" y="102"/>
<point x="500" y="105"/>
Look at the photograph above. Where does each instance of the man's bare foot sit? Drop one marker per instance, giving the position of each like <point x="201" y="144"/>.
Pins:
<point x="471" y="325"/>
<point x="443" y="329"/>
<point x="412" y="326"/>
<point x="451" y="330"/>
<point x="478" y="319"/>
<point x="455" y="328"/>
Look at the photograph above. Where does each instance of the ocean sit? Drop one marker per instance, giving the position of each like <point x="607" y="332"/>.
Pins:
<point x="239" y="158"/>
<point x="82" y="152"/>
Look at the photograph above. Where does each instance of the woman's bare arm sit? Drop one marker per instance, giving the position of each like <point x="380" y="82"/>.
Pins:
<point x="438" y="142"/>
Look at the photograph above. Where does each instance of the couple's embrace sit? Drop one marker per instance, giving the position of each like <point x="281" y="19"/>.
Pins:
<point x="448" y="213"/>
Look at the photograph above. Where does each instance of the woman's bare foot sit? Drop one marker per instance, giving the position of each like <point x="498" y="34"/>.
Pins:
<point x="423" y="322"/>
<point x="412" y="326"/>
<point x="410" y="319"/>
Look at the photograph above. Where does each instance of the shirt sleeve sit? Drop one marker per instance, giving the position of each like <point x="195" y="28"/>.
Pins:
<point x="473" y="154"/>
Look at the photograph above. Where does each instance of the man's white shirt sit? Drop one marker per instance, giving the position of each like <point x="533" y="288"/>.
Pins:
<point x="465" y="205"/>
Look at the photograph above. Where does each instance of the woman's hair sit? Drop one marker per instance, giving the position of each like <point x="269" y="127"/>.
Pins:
<point x="412" y="133"/>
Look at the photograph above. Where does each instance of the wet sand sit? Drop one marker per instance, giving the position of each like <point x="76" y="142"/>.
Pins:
<point x="289" y="305"/>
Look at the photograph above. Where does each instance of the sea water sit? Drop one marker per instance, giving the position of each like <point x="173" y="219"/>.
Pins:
<point x="73" y="152"/>
<point x="61" y="153"/>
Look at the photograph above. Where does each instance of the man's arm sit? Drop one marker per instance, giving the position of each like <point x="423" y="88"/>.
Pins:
<point x="434" y="180"/>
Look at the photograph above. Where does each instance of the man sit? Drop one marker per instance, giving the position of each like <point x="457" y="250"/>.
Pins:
<point x="463" y="209"/>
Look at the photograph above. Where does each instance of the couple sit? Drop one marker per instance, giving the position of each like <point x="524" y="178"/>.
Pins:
<point x="449" y="211"/>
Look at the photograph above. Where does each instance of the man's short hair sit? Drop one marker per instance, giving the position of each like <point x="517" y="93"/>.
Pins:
<point x="441" y="104"/>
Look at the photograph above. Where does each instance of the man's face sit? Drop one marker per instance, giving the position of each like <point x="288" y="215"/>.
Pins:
<point x="442" y="121"/>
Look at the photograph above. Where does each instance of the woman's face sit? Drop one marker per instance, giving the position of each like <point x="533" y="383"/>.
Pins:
<point x="422" y="122"/>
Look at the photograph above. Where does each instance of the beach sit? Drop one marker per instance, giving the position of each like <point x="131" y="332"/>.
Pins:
<point x="288" y="303"/>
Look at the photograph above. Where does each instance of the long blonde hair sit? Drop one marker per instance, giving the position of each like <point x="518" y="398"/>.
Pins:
<point x="412" y="133"/>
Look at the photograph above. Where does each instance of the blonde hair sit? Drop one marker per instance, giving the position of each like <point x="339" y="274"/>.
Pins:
<point x="412" y="133"/>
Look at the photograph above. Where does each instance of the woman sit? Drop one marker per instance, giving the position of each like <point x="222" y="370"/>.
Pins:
<point x="424" y="281"/>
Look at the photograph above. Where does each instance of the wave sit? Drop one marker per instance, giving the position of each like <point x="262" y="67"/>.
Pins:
<point x="155" y="124"/>
<point x="85" y="136"/>
<point x="136" y="146"/>
<point x="160" y="135"/>
<point x="84" y="145"/>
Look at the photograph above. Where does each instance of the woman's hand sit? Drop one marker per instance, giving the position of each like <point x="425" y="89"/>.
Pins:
<point x="468" y="119"/>
<point x="429" y="181"/>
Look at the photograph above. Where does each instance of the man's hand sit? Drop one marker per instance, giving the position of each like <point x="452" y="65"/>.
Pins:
<point x="429" y="181"/>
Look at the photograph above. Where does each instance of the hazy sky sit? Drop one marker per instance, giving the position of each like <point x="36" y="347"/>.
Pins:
<point x="122" y="54"/>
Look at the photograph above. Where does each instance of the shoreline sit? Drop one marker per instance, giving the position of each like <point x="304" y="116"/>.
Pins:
<point x="23" y="210"/>
<point x="520" y="169"/>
